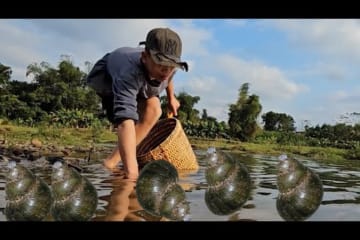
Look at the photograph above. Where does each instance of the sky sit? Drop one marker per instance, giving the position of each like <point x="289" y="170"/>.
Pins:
<point x="305" y="68"/>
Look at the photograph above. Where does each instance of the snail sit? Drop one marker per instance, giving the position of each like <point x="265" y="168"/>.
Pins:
<point x="300" y="190"/>
<point x="75" y="198"/>
<point x="229" y="183"/>
<point x="28" y="197"/>
<point x="159" y="193"/>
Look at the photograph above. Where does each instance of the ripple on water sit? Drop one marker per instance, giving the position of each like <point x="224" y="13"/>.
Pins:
<point x="340" y="202"/>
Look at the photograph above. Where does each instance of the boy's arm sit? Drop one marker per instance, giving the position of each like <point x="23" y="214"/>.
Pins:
<point x="173" y="103"/>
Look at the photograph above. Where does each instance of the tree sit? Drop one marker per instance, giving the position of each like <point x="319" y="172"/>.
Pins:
<point x="204" y="115"/>
<point x="186" y="112"/>
<point x="271" y="120"/>
<point x="349" y="118"/>
<point x="52" y="90"/>
<point x="243" y="115"/>
<point x="62" y="87"/>
<point x="5" y="74"/>
<point x="6" y="102"/>
<point x="278" y="122"/>
<point x="30" y="108"/>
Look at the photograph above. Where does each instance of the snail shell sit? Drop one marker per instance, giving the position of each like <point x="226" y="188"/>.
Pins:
<point x="300" y="190"/>
<point x="75" y="197"/>
<point x="229" y="183"/>
<point x="158" y="192"/>
<point x="28" y="197"/>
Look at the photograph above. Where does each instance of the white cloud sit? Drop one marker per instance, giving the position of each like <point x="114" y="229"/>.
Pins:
<point x="194" y="39"/>
<point x="202" y="85"/>
<point x="266" y="81"/>
<point x="331" y="37"/>
<point x="332" y="45"/>
<point x="339" y="95"/>
<point x="29" y="41"/>
<point x="214" y="94"/>
<point x="108" y="33"/>
<point x="328" y="107"/>
<point x="346" y="98"/>
<point x="18" y="49"/>
<point x="89" y="39"/>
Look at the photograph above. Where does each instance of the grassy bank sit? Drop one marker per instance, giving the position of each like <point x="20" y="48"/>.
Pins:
<point x="316" y="153"/>
<point x="11" y="135"/>
<point x="80" y="137"/>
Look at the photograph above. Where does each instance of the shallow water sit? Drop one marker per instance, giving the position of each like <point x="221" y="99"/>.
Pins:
<point x="117" y="199"/>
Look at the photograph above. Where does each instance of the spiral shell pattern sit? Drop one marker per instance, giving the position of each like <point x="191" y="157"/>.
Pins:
<point x="158" y="192"/>
<point x="300" y="190"/>
<point x="75" y="198"/>
<point x="29" y="198"/>
<point x="229" y="183"/>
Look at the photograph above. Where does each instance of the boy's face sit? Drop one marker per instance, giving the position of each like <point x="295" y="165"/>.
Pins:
<point x="157" y="71"/>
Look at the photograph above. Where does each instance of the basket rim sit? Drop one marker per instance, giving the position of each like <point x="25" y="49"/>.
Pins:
<point x="169" y="143"/>
<point x="173" y="131"/>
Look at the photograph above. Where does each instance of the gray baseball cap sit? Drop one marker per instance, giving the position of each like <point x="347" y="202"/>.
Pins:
<point x="165" y="46"/>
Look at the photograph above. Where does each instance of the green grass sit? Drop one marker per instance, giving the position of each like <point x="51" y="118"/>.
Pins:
<point x="82" y="137"/>
<point x="317" y="153"/>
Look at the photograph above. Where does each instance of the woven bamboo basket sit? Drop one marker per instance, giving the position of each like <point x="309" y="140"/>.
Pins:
<point x="168" y="141"/>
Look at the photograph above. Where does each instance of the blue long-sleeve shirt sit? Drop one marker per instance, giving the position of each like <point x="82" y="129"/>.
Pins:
<point x="122" y="74"/>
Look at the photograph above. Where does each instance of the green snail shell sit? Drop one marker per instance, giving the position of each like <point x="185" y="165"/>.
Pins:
<point x="75" y="197"/>
<point x="64" y="180"/>
<point x="290" y="173"/>
<point x="219" y="168"/>
<point x="28" y="197"/>
<point x="229" y="184"/>
<point x="174" y="205"/>
<point x="158" y="192"/>
<point x="298" y="200"/>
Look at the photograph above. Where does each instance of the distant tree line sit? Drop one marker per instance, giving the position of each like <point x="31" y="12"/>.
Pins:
<point x="53" y="93"/>
<point x="59" y="96"/>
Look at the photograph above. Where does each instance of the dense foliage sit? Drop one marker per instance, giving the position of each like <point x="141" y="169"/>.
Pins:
<point x="60" y="97"/>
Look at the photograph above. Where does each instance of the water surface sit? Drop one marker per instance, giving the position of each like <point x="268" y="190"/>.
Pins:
<point x="118" y="201"/>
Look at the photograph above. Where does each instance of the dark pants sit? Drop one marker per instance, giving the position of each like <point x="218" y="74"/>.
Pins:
<point x="108" y="105"/>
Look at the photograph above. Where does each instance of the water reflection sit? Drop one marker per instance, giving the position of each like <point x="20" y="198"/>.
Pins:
<point x="229" y="183"/>
<point x="159" y="193"/>
<point x="75" y="197"/>
<point x="123" y="204"/>
<point x="29" y="198"/>
<point x="300" y="190"/>
<point x="340" y="202"/>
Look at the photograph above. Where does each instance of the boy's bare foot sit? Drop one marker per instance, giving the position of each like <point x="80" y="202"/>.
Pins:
<point x="113" y="159"/>
<point x="132" y="177"/>
<point x="111" y="163"/>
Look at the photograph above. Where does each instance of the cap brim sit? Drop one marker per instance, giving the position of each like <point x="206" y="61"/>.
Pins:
<point x="161" y="59"/>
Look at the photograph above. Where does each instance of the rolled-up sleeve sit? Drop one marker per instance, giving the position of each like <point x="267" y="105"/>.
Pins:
<point x="125" y="86"/>
<point x="125" y="91"/>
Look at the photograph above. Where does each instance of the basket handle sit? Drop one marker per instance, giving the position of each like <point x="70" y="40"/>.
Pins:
<point x="170" y="115"/>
